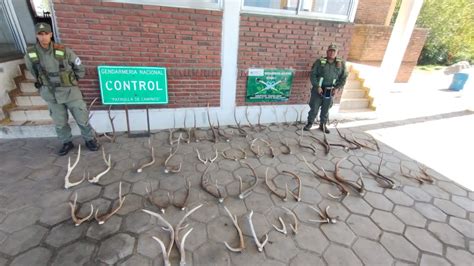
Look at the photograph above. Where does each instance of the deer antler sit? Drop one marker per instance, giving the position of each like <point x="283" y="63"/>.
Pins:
<point x="358" y="186"/>
<point x="286" y="145"/>
<point x="274" y="191"/>
<point x="325" y="217"/>
<point x="235" y="158"/>
<point x="77" y="220"/>
<point x="182" y="206"/>
<point x="260" y="245"/>
<point x="298" y="180"/>
<point x="343" y="190"/>
<point x="108" y="162"/>
<point x="174" y="168"/>
<point x="67" y="183"/>
<point x="239" y="231"/>
<point x="179" y="227"/>
<point x="378" y="175"/>
<point x="239" y="128"/>
<point x="170" y="229"/>
<point x="207" y="186"/>
<point x="245" y="193"/>
<point x="102" y="219"/>
<point x="283" y="227"/>
<point x="152" y="150"/>
<point x="294" y="227"/>
<point x="207" y="159"/>
<point x="161" y="206"/>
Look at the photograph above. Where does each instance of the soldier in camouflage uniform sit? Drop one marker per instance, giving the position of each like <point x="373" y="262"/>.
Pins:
<point x="328" y="76"/>
<point x="57" y="70"/>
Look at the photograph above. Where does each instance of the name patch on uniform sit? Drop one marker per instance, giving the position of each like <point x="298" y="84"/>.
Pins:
<point x="77" y="62"/>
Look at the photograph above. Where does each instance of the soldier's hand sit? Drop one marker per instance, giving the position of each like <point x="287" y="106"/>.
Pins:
<point x="320" y="91"/>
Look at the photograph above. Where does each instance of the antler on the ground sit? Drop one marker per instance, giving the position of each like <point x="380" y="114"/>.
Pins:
<point x="245" y="193"/>
<point x="173" y="168"/>
<point x="239" y="231"/>
<point x="324" y="176"/>
<point x="324" y="216"/>
<point x="108" y="162"/>
<point x="247" y="117"/>
<point x="286" y="145"/>
<point x="283" y="227"/>
<point x="182" y="205"/>
<point x="161" y="206"/>
<point x="297" y="196"/>
<point x="358" y="186"/>
<point x="170" y="229"/>
<point x="177" y="239"/>
<point x="77" y="220"/>
<point x="243" y="155"/>
<point x="388" y="182"/>
<point x="294" y="227"/>
<point x="260" y="245"/>
<point x="152" y="150"/>
<point x="211" y="160"/>
<point x="303" y="145"/>
<point x="103" y="218"/>
<point x="275" y="191"/>
<point x="111" y="119"/>
<point x="210" y="188"/>
<point x="67" y="183"/>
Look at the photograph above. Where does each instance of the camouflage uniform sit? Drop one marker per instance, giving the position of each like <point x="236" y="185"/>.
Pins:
<point x="57" y="70"/>
<point x="325" y="74"/>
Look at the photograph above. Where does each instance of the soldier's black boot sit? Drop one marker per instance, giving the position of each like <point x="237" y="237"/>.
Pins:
<point x="324" y="128"/>
<point x="66" y="148"/>
<point x="307" y="127"/>
<point x="92" y="145"/>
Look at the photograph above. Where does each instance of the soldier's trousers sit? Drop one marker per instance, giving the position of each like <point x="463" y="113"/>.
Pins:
<point x="60" y="117"/>
<point x="315" y="103"/>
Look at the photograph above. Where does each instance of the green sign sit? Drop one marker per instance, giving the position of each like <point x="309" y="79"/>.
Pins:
<point x="133" y="85"/>
<point x="269" y="85"/>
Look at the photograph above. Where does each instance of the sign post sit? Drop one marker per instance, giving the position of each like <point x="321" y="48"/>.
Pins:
<point x="269" y="85"/>
<point x="133" y="86"/>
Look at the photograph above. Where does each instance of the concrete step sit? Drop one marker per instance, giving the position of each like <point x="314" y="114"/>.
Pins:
<point x="350" y="104"/>
<point x="29" y="129"/>
<point x="29" y="113"/>
<point x="28" y="86"/>
<point x="28" y="75"/>
<point x="353" y="94"/>
<point x="353" y="76"/>
<point x="353" y="84"/>
<point x="29" y="99"/>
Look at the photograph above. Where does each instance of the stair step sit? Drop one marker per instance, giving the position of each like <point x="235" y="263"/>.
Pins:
<point x="353" y="84"/>
<point x="29" y="113"/>
<point x="354" y="94"/>
<point x="28" y="75"/>
<point x="347" y="104"/>
<point x="29" y="100"/>
<point x="28" y="86"/>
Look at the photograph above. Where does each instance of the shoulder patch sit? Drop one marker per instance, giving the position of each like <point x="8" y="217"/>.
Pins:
<point x="77" y="62"/>
<point x="323" y="61"/>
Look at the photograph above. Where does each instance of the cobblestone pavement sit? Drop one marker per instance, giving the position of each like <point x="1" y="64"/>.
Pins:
<point x="425" y="224"/>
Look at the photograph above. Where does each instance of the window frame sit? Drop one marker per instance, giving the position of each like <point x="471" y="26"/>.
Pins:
<point x="174" y="3"/>
<point x="298" y="13"/>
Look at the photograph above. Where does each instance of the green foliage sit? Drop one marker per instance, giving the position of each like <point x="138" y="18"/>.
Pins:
<point x="451" y="37"/>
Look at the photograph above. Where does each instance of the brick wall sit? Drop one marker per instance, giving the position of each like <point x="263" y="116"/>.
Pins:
<point x="369" y="43"/>
<point x="372" y="11"/>
<point x="272" y="42"/>
<point x="185" y="41"/>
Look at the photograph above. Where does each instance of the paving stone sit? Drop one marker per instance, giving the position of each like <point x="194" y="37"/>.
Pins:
<point x="23" y="240"/>
<point x="311" y="238"/>
<point x="258" y="202"/>
<point x="431" y="260"/>
<point x="399" y="247"/>
<point x="229" y="165"/>
<point x="211" y="254"/>
<point x="206" y="213"/>
<point x="338" y="255"/>
<point x="280" y="247"/>
<point x="36" y="256"/>
<point x="471" y="246"/>
<point x="139" y="187"/>
<point x="116" y="248"/>
<point x="378" y="201"/>
<point x="430" y="212"/>
<point x="306" y="259"/>
<point x="260" y="224"/>
<point x="85" y="194"/>
<point x="132" y="203"/>
<point x="56" y="214"/>
<point x="197" y="237"/>
<point x="452" y="188"/>
<point x="371" y="252"/>
<point x="3" y="237"/>
<point x="139" y="221"/>
<point x="465" y="227"/>
<point x="136" y="260"/>
<point x="424" y="240"/>
<point x="57" y="197"/>
<point x="339" y="233"/>
<point x="446" y="234"/>
<point x="78" y="253"/>
<point x="410" y="216"/>
<point x="450" y="208"/>
<point x="417" y="193"/>
<point x="150" y="248"/>
<point x="48" y="172"/>
<point x="357" y="205"/>
<point x="336" y="209"/>
<point x="100" y="231"/>
<point x="435" y="191"/>
<point x="387" y="221"/>
<point x="363" y="226"/>
<point x="466" y="203"/>
<point x="63" y="234"/>
<point x="310" y="195"/>
<point x="459" y="257"/>
<point x="20" y="219"/>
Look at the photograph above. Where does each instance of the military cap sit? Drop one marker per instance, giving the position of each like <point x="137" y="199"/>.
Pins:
<point x="332" y="46"/>
<point x="42" y="27"/>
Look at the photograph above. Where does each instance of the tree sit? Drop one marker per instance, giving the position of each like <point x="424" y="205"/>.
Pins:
<point x="451" y="37"/>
